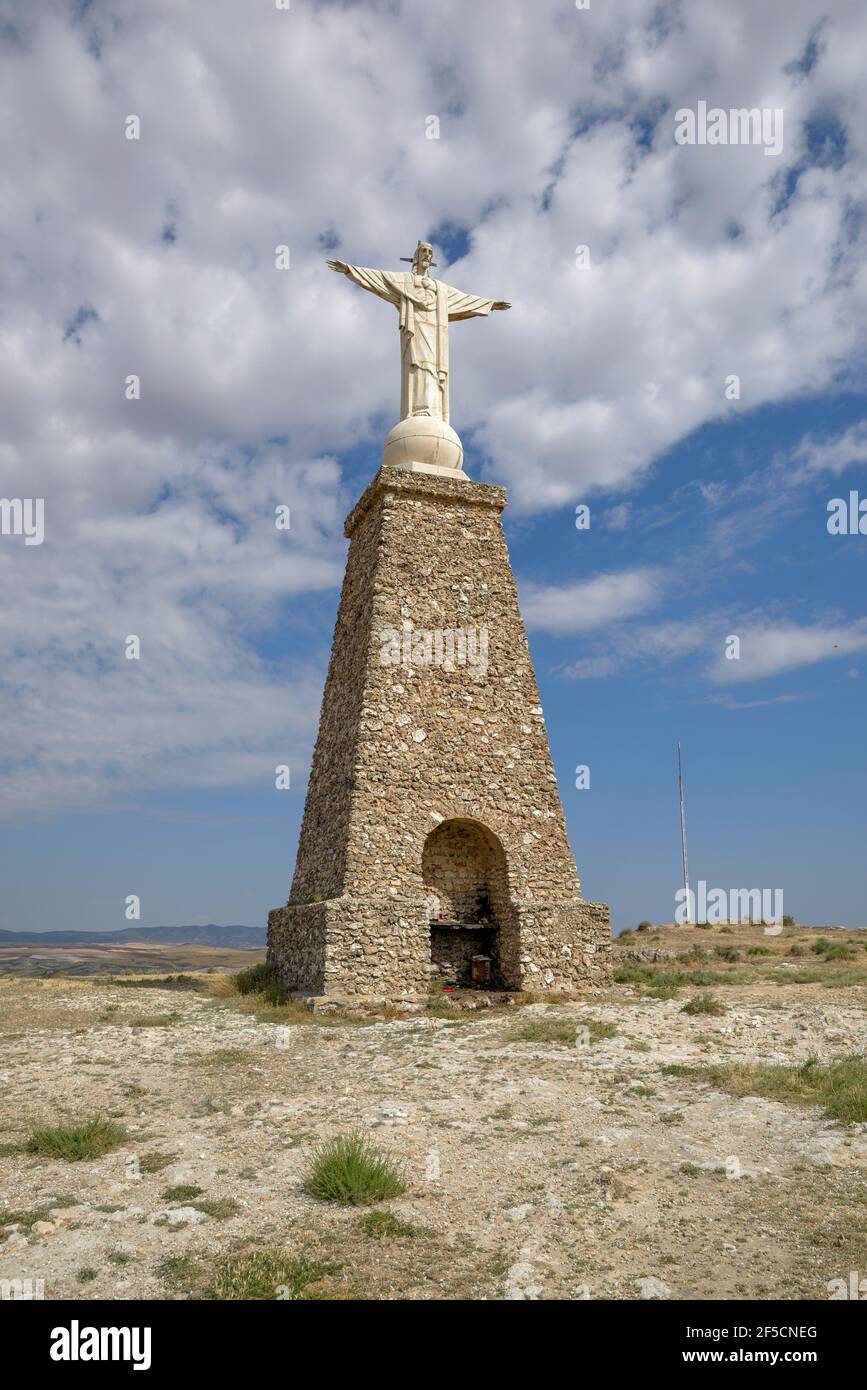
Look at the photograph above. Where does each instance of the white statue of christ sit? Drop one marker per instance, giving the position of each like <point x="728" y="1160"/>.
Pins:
<point x="426" y="308"/>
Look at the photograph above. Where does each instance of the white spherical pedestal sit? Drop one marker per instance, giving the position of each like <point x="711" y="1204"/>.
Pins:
<point x="422" y="444"/>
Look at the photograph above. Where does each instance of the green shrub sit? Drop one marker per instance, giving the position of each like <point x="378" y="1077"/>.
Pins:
<point x="91" y="1139"/>
<point x="261" y="979"/>
<point x="788" y="921"/>
<point x="703" y="1004"/>
<point x="664" y="988"/>
<point x="352" y="1170"/>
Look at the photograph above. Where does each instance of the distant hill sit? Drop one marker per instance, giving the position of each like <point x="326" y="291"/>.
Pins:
<point x="210" y="935"/>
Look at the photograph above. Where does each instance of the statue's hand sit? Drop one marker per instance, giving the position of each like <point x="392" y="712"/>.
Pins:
<point x="338" y="265"/>
<point x="501" y="304"/>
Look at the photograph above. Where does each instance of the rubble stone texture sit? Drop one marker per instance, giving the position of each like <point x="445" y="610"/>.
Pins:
<point x="432" y="806"/>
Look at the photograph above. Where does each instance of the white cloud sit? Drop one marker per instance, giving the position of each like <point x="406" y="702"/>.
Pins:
<point x="619" y="517"/>
<point x="195" y="578"/>
<point x="727" y="703"/>
<point x="768" y="649"/>
<point x="656" y="644"/>
<point x="831" y="455"/>
<point x="307" y="127"/>
<point x="591" y="603"/>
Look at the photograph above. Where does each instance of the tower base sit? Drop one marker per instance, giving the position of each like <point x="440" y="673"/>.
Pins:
<point x="433" y="844"/>
<point x="386" y="948"/>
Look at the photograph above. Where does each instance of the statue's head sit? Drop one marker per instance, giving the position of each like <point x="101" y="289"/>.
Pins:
<point x="423" y="258"/>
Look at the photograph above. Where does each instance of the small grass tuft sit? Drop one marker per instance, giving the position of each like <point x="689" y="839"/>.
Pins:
<point x="180" y="1273"/>
<point x="25" y="1217"/>
<point x="155" y="1162"/>
<point x="182" y="1192"/>
<point x="545" y="1030"/>
<point x="598" y="1031"/>
<point x="384" y="1223"/>
<point x="88" y="1140"/>
<point x="220" y="1208"/>
<point x="703" y="1004"/>
<point x="268" y="1274"/>
<point x="350" y="1169"/>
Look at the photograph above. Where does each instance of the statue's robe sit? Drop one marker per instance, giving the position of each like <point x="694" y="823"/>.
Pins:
<point x="426" y="306"/>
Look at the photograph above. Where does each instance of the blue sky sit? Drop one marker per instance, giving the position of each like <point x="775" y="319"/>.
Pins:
<point x="604" y="386"/>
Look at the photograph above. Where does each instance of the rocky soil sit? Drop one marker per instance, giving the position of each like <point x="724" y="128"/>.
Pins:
<point x="568" y="1168"/>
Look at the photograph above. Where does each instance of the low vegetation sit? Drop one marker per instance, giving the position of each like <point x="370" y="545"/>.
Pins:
<point x="839" y="1087"/>
<point x="220" y="1208"/>
<point x="155" y="1162"/>
<point x="352" y="1170"/>
<point x="261" y="979"/>
<point x="384" y="1223"/>
<point x="703" y="1004"/>
<point x="73" y="1143"/>
<point x="183" y="1192"/>
<point x="268" y="1274"/>
<point x="571" y="1032"/>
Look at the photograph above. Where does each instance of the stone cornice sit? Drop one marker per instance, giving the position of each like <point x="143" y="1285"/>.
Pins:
<point x="424" y="485"/>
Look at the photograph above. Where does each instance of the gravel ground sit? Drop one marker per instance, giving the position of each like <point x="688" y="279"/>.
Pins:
<point x="550" y="1170"/>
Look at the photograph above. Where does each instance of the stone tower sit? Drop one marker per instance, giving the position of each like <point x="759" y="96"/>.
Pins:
<point x="433" y="840"/>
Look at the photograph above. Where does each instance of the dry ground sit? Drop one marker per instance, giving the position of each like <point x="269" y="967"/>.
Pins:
<point x="544" y="1159"/>
<point x="95" y="958"/>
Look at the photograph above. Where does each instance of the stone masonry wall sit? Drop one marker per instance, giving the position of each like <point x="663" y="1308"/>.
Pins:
<point x="410" y="738"/>
<point x="457" y="869"/>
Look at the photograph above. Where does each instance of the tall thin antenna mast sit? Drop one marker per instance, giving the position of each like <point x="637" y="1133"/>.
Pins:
<point x="683" y="853"/>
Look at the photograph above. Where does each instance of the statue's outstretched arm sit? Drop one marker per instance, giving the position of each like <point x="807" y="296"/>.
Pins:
<point x="378" y="282"/>
<point x="470" y="306"/>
